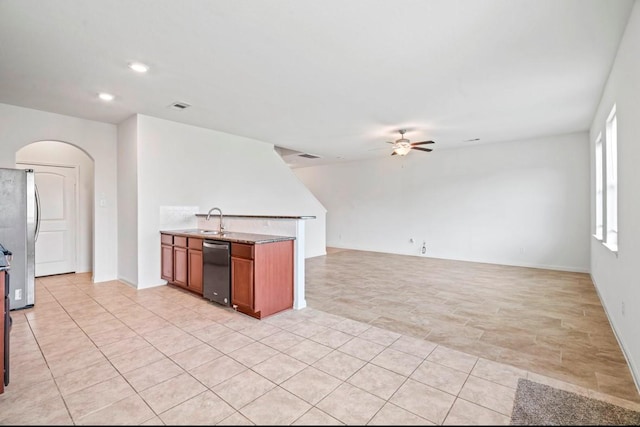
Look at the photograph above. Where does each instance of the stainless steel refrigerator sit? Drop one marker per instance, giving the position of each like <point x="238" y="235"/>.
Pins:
<point x="19" y="223"/>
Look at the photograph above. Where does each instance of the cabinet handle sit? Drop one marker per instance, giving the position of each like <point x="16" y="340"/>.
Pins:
<point x="214" y="245"/>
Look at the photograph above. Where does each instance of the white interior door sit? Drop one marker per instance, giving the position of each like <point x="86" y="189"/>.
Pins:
<point x="56" y="242"/>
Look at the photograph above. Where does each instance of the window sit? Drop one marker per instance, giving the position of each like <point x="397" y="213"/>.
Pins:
<point x="599" y="166"/>
<point x="611" y="189"/>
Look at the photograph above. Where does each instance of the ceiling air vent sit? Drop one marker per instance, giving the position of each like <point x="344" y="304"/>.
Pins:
<point x="309" y="156"/>
<point x="180" y="105"/>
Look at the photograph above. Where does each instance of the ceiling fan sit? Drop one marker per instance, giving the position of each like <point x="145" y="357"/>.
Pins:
<point x="402" y="146"/>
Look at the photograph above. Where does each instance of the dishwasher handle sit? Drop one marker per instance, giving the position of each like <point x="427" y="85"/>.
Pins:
<point x="215" y="245"/>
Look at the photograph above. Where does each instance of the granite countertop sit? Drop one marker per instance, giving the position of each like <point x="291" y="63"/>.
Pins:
<point x="4" y="262"/>
<point x="261" y="216"/>
<point x="5" y="256"/>
<point x="230" y="236"/>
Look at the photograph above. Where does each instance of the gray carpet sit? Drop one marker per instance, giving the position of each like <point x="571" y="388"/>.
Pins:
<point x="539" y="404"/>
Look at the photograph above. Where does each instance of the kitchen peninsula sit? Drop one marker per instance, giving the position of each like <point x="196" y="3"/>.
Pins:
<point x="292" y="226"/>
<point x="261" y="268"/>
<point x="285" y="225"/>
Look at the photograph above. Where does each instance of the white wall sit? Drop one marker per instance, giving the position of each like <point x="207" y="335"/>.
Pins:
<point x="517" y="203"/>
<point x="182" y="165"/>
<point x="22" y="126"/>
<point x="128" y="200"/>
<point x="616" y="275"/>
<point x="62" y="154"/>
<point x="315" y="230"/>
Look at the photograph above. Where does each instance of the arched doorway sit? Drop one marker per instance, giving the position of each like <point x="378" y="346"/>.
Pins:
<point x="65" y="178"/>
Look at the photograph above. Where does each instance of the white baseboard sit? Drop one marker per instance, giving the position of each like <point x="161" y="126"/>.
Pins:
<point x="509" y="263"/>
<point x="635" y="374"/>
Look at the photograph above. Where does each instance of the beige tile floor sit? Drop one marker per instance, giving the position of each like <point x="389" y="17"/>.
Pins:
<point x="109" y="354"/>
<point x="548" y="322"/>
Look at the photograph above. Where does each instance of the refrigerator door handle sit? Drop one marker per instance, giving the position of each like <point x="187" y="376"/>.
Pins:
<point x="37" y="212"/>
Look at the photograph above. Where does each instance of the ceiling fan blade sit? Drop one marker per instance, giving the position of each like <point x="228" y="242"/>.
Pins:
<point x="421" y="149"/>
<point x="422" y="143"/>
<point x="389" y="142"/>
<point x="394" y="153"/>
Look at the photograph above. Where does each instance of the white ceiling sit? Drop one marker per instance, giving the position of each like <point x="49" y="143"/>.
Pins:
<point x="334" y="78"/>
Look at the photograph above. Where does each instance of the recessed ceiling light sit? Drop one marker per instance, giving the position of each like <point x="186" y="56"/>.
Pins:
<point x="139" y="67"/>
<point x="106" y="96"/>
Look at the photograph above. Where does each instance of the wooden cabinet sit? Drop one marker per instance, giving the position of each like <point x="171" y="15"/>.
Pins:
<point x="182" y="261"/>
<point x="194" y="258"/>
<point x="261" y="273"/>
<point x="180" y="266"/>
<point x="242" y="283"/>
<point x="2" y="325"/>
<point x="166" y="249"/>
<point x="262" y="277"/>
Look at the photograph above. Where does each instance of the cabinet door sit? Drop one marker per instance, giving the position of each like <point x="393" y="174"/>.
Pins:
<point x="180" y="266"/>
<point x="3" y="308"/>
<point x="242" y="282"/>
<point x="195" y="271"/>
<point x="167" y="262"/>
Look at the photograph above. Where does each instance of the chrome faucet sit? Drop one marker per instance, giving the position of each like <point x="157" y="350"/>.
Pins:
<point x="221" y="228"/>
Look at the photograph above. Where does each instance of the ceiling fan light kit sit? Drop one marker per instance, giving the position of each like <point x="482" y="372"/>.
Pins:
<point x="402" y="146"/>
<point x="401" y="149"/>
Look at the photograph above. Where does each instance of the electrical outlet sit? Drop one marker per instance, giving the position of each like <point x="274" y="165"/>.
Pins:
<point x="423" y="250"/>
<point x="18" y="294"/>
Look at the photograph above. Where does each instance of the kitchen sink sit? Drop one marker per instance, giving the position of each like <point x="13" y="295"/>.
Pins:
<point x="209" y="232"/>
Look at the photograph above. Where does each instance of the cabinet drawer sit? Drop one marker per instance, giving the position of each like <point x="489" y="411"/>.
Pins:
<point x="242" y="250"/>
<point x="166" y="239"/>
<point x="180" y="241"/>
<point x="195" y="243"/>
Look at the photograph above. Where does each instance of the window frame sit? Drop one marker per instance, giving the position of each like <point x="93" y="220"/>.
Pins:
<point x="610" y="165"/>
<point x="599" y="188"/>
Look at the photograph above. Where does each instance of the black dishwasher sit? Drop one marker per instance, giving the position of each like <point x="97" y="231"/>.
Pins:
<point x="216" y="272"/>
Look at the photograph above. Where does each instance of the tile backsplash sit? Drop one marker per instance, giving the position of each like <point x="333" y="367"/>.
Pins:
<point x="176" y="217"/>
